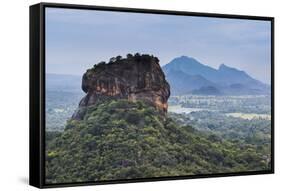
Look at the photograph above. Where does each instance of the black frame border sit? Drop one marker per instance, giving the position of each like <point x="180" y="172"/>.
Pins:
<point x="37" y="93"/>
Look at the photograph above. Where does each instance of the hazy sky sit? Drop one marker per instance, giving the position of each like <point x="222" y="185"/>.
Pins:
<point x="78" y="39"/>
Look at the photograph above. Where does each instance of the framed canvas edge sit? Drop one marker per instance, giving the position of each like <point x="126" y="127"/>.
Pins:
<point x="40" y="170"/>
<point x="35" y="65"/>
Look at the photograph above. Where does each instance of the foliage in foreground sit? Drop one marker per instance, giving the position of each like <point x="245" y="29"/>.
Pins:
<point x="125" y="140"/>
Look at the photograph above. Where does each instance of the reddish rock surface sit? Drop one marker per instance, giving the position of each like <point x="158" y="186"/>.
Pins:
<point x="137" y="77"/>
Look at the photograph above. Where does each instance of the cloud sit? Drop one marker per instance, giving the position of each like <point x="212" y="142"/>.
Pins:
<point x="75" y="39"/>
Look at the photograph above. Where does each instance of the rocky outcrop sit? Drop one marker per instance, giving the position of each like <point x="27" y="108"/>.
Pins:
<point x="137" y="77"/>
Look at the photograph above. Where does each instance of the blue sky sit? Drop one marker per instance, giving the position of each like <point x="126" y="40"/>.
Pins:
<point x="78" y="39"/>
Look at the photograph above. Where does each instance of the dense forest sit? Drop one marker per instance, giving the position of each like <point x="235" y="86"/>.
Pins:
<point x="126" y="140"/>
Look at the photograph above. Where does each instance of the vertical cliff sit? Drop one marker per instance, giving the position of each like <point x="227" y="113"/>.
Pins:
<point x="137" y="77"/>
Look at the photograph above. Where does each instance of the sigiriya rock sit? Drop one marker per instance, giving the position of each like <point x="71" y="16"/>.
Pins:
<point x="136" y="77"/>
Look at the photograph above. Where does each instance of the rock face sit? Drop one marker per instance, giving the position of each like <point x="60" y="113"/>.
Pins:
<point x="137" y="77"/>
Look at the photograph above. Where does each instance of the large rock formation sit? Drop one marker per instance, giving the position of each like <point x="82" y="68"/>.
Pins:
<point x="137" y="77"/>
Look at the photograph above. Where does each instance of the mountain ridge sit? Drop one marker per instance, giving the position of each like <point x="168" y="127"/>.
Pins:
<point x="223" y="79"/>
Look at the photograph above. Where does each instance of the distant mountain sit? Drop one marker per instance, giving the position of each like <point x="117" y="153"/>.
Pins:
<point x="187" y="75"/>
<point x="192" y="67"/>
<point x="63" y="82"/>
<point x="228" y="76"/>
<point x="183" y="83"/>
